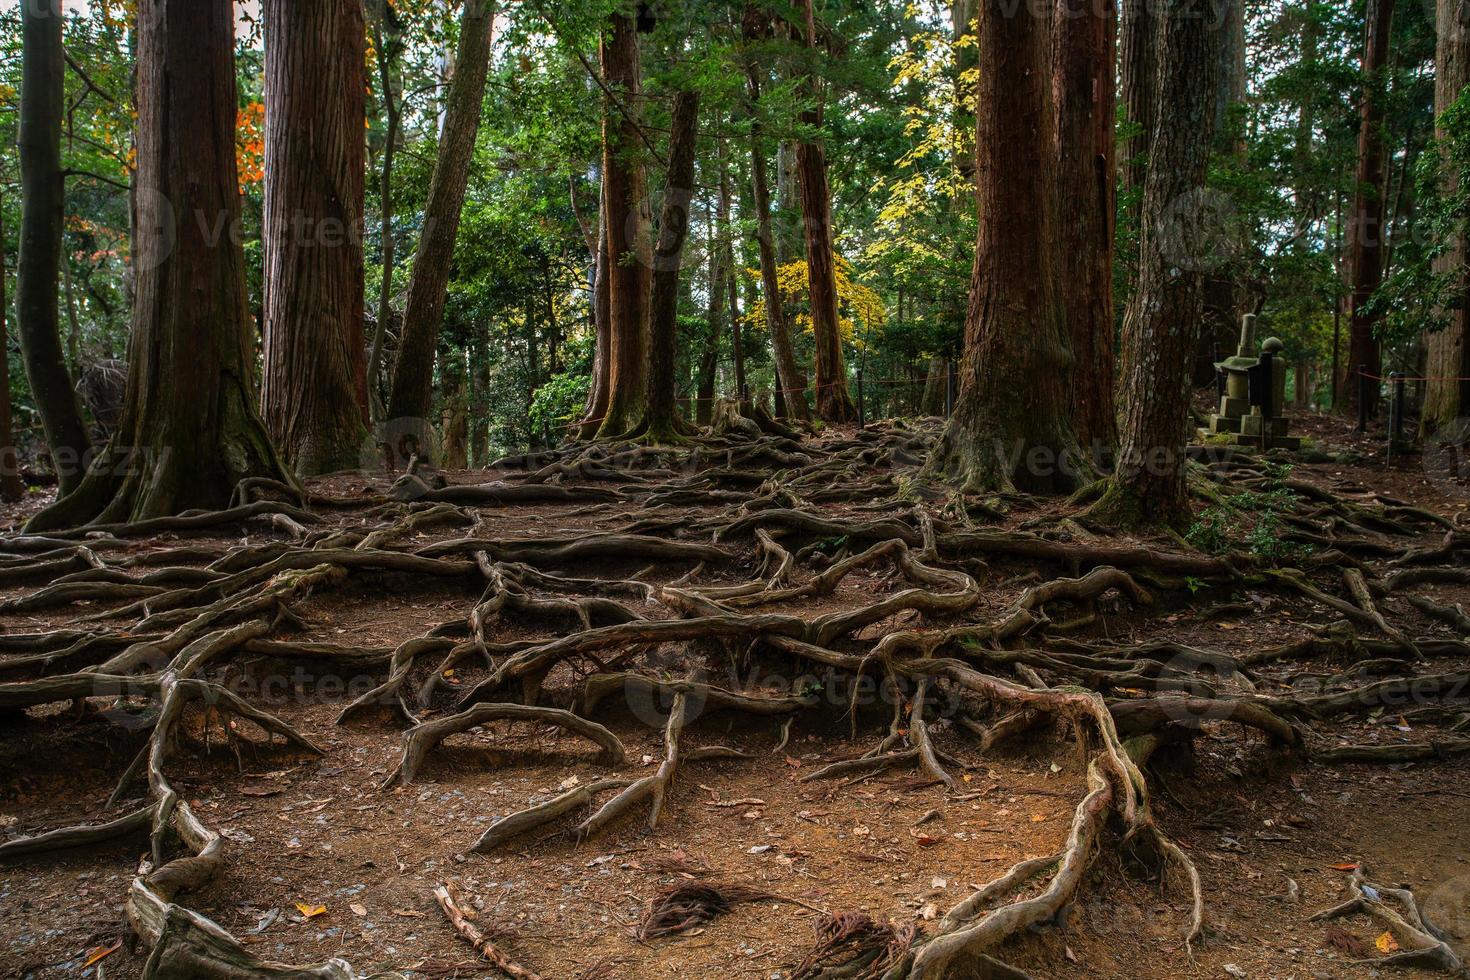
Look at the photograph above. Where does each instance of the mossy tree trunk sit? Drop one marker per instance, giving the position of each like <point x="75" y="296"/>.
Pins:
<point x="1012" y="425"/>
<point x="314" y="384"/>
<point x="189" y="432"/>
<point x="43" y="200"/>
<point x="1161" y="327"/>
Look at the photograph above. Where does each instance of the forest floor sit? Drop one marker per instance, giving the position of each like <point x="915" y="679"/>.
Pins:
<point x="1275" y="834"/>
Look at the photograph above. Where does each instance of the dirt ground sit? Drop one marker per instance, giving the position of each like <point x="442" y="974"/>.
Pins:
<point x="1274" y="835"/>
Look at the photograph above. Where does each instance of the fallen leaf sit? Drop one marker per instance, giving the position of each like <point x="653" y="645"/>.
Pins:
<point x="793" y="763"/>
<point x="1386" y="943"/>
<point x="357" y="910"/>
<point x="311" y="911"/>
<point x="1344" y="867"/>
<point x="101" y="953"/>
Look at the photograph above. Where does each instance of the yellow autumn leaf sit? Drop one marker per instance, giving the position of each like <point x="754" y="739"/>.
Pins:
<point x="1386" y="943"/>
<point x="101" y="953"/>
<point x="311" y="911"/>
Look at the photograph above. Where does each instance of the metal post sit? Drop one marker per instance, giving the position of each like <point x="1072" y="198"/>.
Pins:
<point x="1363" y="382"/>
<point x="948" y="388"/>
<point x="862" y="417"/>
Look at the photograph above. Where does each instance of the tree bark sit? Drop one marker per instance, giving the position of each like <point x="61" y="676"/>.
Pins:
<point x="1365" y="222"/>
<point x="11" y="488"/>
<point x="663" y="422"/>
<point x="834" y="403"/>
<point x="1012" y="426"/>
<point x="43" y="201"/>
<point x="1083" y="65"/>
<point x="1447" y="400"/>
<point x="1162" y="322"/>
<point x="387" y="39"/>
<point x="789" y="378"/>
<point x="732" y="285"/>
<point x="314" y="383"/>
<point x="715" y="318"/>
<point x="1138" y="61"/>
<point x="630" y="250"/>
<point x="411" y="399"/>
<point x="597" y="396"/>
<point x="189" y="432"/>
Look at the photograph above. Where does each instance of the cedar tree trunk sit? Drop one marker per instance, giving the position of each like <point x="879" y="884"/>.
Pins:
<point x="1012" y="425"/>
<point x="314" y="386"/>
<point x="43" y="200"/>
<point x="1162" y="323"/>
<point x="189" y="432"/>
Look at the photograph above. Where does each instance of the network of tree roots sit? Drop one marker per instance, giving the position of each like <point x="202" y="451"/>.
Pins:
<point x="738" y="529"/>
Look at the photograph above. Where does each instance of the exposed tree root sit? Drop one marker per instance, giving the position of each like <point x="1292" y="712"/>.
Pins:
<point x="1395" y="909"/>
<point x="922" y="611"/>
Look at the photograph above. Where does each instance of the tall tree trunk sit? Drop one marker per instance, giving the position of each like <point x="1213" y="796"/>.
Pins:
<point x="709" y="355"/>
<point x="630" y="251"/>
<point x="43" y="200"/>
<point x="1446" y="401"/>
<point x="411" y="399"/>
<point x="189" y="432"/>
<point x="1012" y="426"/>
<point x="1223" y="300"/>
<point x="597" y="395"/>
<point x="834" y="403"/>
<point x="663" y="422"/>
<point x="1365" y="222"/>
<point x="1138" y="61"/>
<point x="388" y="40"/>
<point x="314" y="384"/>
<point x="11" y="488"/>
<point x="1083" y="66"/>
<point x="732" y="281"/>
<point x="1162" y="322"/>
<point x="790" y="381"/>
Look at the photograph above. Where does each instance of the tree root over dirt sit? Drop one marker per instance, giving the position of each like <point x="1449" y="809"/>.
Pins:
<point x="735" y="533"/>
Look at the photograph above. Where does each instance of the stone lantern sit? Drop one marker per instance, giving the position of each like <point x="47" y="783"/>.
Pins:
<point x="1250" y="408"/>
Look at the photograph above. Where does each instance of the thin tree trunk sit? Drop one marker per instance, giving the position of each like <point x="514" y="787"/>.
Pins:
<point x="1012" y="425"/>
<point x="43" y="200"/>
<point x="663" y="422"/>
<point x="932" y="402"/>
<point x="834" y="402"/>
<point x="1083" y="65"/>
<point x="386" y="38"/>
<point x="732" y="284"/>
<point x="11" y="488"/>
<point x="1162" y="323"/>
<point x="314" y="383"/>
<point x="597" y="396"/>
<point x="1446" y="401"/>
<point x="1365" y="222"/>
<point x="790" y="382"/>
<point x="411" y="399"/>
<point x="189" y="432"/>
<point x="709" y="356"/>
<point x="630" y="274"/>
